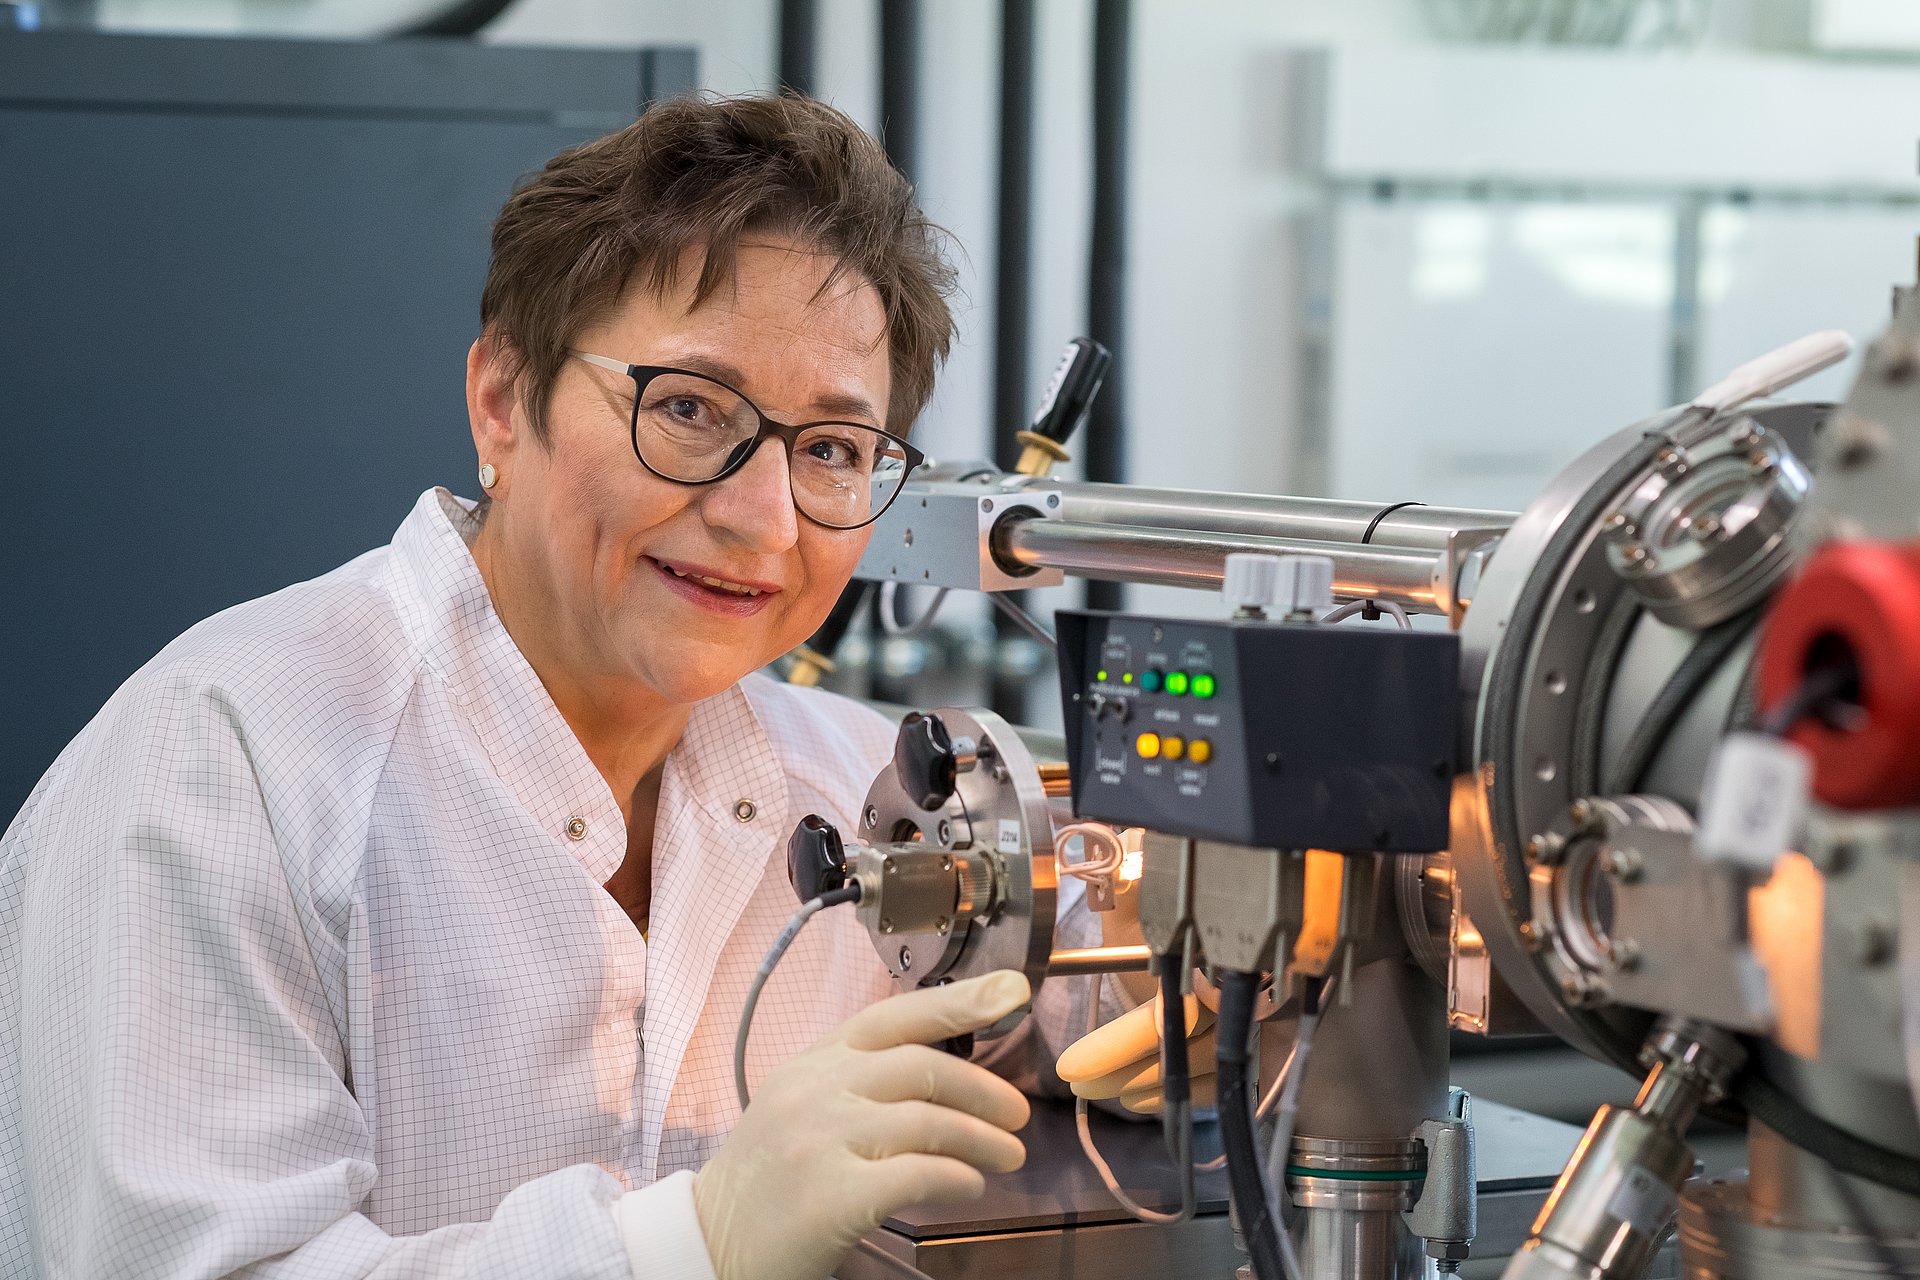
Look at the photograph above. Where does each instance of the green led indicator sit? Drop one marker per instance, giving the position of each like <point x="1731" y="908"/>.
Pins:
<point x="1099" y="675"/>
<point x="1203" y="685"/>
<point x="1127" y="678"/>
<point x="1176" y="682"/>
<point x="1150" y="681"/>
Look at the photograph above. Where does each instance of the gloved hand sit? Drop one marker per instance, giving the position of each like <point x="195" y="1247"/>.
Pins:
<point x="866" y="1122"/>
<point x="1122" y="1059"/>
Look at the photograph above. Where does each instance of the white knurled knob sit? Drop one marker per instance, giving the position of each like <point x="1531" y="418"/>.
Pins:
<point x="1250" y="581"/>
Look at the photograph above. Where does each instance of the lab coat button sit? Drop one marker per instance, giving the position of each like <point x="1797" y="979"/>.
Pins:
<point x="743" y="810"/>
<point x="576" y="828"/>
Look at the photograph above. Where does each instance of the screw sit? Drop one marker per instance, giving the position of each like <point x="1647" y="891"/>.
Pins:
<point x="1761" y="464"/>
<point x="986" y="504"/>
<point x="1670" y="459"/>
<point x="1708" y="529"/>
<point x="1053" y="500"/>
<point x="1625" y="865"/>
<point x="1529" y="936"/>
<point x="887" y="865"/>
<point x="871" y="818"/>
<point x="1619" y="526"/>
<point x="886" y="925"/>
<point x="1873" y="943"/>
<point x="946" y="864"/>
<point x="1625" y="954"/>
<point x="945" y="832"/>
<point x="906" y="959"/>
<point x="1546" y="849"/>
<point x="1749" y="435"/>
<point x="1273" y="762"/>
<point x="1578" y="986"/>
<point x="1634" y="555"/>
<point x="1583" y="814"/>
<point x="940" y="925"/>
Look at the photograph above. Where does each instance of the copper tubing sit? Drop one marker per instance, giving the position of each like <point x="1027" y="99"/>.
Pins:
<point x="1081" y="960"/>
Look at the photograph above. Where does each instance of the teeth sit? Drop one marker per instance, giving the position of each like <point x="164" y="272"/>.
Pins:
<point x="719" y="583"/>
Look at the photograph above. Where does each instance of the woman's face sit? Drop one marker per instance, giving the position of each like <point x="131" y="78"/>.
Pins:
<point x="596" y="564"/>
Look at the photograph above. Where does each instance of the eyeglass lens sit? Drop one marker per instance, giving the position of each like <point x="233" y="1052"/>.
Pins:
<point x="692" y="429"/>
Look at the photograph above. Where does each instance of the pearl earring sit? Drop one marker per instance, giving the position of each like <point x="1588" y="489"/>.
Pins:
<point x="488" y="476"/>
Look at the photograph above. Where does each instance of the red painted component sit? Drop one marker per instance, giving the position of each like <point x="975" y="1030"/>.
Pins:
<point x="1861" y="598"/>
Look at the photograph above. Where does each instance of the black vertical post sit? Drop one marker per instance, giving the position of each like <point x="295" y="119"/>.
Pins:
<point x="799" y="21"/>
<point x="900" y="135"/>
<point x="1012" y="254"/>
<point x="900" y="84"/>
<point x="1105" y="442"/>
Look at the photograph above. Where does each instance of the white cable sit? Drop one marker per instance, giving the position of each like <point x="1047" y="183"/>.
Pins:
<point x="1183" y="1158"/>
<point x="812" y="907"/>
<point x="890" y="622"/>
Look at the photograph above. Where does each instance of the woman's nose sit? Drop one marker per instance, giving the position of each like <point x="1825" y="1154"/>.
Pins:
<point x="755" y="503"/>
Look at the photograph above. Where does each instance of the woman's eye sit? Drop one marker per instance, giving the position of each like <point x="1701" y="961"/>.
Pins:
<point x="685" y="408"/>
<point x="836" y="453"/>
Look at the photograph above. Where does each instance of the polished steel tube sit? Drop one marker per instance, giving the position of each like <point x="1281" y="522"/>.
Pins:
<point x="1414" y="580"/>
<point x="1123" y="959"/>
<point x="1262" y="515"/>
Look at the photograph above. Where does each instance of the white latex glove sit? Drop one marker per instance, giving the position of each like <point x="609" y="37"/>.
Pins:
<point x="867" y="1122"/>
<point x="1122" y="1059"/>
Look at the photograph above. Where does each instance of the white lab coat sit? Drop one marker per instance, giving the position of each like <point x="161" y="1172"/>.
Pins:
<point x="305" y="965"/>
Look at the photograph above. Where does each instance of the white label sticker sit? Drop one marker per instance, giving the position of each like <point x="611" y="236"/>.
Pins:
<point x="1009" y="835"/>
<point x="1755" y="798"/>
<point x="1644" y="1202"/>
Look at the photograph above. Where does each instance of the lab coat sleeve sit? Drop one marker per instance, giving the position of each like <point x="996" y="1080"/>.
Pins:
<point x="174" y="1098"/>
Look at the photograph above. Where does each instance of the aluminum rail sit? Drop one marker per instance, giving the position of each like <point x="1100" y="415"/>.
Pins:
<point x="1262" y="515"/>
<point x="1415" y="580"/>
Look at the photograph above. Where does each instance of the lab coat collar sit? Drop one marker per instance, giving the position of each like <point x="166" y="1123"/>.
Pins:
<point x="450" y="617"/>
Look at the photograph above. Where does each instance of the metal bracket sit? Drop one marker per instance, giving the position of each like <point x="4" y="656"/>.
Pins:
<point x="938" y="533"/>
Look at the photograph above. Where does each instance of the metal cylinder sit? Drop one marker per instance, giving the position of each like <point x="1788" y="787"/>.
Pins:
<point x="1081" y="960"/>
<point x="1414" y="580"/>
<point x="1260" y="515"/>
<point x="1347" y="1199"/>
<point x="1724" y="1236"/>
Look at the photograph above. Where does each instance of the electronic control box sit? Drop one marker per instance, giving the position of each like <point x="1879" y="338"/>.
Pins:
<point x="1273" y="735"/>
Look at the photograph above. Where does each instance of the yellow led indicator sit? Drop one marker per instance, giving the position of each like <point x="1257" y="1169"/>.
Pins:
<point x="1200" y="751"/>
<point x="1127" y="678"/>
<point x="1173" y="746"/>
<point x="1203" y="685"/>
<point x="1099" y="675"/>
<point x="1148" y="745"/>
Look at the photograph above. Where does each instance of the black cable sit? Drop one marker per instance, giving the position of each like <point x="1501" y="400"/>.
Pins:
<point x="1818" y="688"/>
<point x="1596" y="682"/>
<point x="1710" y="650"/>
<point x="467" y="18"/>
<point x="1246" y="1182"/>
<point x="1176" y="1087"/>
<point x="1382" y="514"/>
<point x="1847" y="1153"/>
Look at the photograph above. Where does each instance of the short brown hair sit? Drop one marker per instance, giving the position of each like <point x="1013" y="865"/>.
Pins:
<point x="701" y="173"/>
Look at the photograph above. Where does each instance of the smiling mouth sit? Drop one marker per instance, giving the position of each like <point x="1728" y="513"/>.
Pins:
<point x="718" y="584"/>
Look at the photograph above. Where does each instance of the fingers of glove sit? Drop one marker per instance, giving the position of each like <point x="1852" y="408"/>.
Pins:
<point x="902" y="1128"/>
<point x="935" y="1013"/>
<point x="1126" y="1040"/>
<point x="1146" y="1102"/>
<point x="915" y="1072"/>
<point x="1137" y="1077"/>
<point x="897" y="1182"/>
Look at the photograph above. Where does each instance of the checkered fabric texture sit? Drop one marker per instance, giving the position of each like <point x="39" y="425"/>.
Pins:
<point x="306" y="971"/>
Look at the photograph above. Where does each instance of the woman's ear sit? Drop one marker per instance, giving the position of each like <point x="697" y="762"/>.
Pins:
<point x="493" y="402"/>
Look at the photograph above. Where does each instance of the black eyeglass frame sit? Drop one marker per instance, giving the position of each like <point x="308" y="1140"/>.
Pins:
<point x="788" y="435"/>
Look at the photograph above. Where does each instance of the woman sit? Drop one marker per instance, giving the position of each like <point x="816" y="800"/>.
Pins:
<point x="397" y="923"/>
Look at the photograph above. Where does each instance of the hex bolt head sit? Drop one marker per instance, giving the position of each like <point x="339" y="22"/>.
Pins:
<point x="1625" y="954"/>
<point x="1547" y="849"/>
<point x="1625" y="865"/>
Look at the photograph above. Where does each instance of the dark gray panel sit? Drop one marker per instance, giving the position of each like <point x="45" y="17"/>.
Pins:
<point x="231" y="355"/>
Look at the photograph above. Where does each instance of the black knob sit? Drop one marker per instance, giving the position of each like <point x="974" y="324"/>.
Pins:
<point x="924" y="761"/>
<point x="816" y="859"/>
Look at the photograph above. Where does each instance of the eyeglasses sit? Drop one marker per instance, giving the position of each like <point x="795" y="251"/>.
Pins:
<point x="692" y="429"/>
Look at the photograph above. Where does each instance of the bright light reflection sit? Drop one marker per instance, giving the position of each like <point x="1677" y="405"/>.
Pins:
<point x="1618" y="255"/>
<point x="1450" y="252"/>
